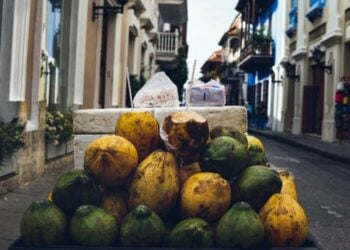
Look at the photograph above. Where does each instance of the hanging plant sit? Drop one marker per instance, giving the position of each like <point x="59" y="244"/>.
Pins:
<point x="11" y="138"/>
<point x="59" y="126"/>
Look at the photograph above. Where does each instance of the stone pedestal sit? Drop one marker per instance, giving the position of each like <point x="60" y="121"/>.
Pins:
<point x="93" y="123"/>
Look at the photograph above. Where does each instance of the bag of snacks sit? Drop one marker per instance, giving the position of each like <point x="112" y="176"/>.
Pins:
<point x="158" y="91"/>
<point x="211" y="93"/>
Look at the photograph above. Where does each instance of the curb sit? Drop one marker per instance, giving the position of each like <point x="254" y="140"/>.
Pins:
<point x="294" y="143"/>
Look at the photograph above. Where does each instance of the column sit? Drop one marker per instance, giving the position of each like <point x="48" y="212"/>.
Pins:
<point x="300" y="56"/>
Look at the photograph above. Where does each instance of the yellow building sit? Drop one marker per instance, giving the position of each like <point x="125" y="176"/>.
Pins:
<point x="63" y="54"/>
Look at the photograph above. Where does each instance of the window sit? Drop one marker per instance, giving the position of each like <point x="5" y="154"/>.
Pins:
<point x="52" y="54"/>
<point x="13" y="55"/>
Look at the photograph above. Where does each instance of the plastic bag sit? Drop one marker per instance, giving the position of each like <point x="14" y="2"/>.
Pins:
<point x="158" y="91"/>
<point x="211" y="93"/>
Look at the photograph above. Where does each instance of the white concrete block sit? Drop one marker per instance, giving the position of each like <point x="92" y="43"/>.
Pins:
<point x="102" y="121"/>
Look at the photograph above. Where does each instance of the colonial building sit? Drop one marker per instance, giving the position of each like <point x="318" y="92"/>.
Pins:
<point x="57" y="55"/>
<point x="262" y="50"/>
<point x="318" y="47"/>
<point x="222" y="65"/>
<point x="230" y="75"/>
<point x="211" y="67"/>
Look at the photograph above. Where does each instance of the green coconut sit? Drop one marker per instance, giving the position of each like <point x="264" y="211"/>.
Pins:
<point x="240" y="227"/>
<point x="224" y="155"/>
<point x="93" y="226"/>
<point x="142" y="228"/>
<point x="191" y="232"/>
<point x="256" y="184"/>
<point x="235" y="133"/>
<point x="75" y="188"/>
<point x="256" y="156"/>
<point x="43" y="224"/>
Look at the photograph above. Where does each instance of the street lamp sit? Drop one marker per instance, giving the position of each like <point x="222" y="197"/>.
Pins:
<point x="289" y="68"/>
<point x="273" y="76"/>
<point x="317" y="54"/>
<point x="101" y="10"/>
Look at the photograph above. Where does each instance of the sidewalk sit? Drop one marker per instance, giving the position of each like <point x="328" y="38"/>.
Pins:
<point x="335" y="151"/>
<point x="13" y="204"/>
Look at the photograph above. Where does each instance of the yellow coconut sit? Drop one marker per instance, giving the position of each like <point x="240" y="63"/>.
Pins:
<point x="111" y="159"/>
<point x="288" y="184"/>
<point x="141" y="129"/>
<point x="254" y="141"/>
<point x="155" y="183"/>
<point x="284" y="220"/>
<point x="187" y="170"/>
<point x="205" y="195"/>
<point x="115" y="204"/>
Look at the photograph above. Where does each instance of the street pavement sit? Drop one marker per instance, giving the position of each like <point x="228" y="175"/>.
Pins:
<point x="13" y="204"/>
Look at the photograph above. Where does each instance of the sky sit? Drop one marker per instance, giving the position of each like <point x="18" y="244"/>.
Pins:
<point x="208" y="20"/>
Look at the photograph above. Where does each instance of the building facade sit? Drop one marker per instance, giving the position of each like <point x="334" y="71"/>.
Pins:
<point x="57" y="55"/>
<point x="318" y="50"/>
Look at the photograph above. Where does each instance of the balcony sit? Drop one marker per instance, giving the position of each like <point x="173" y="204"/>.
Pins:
<point x="257" y="56"/>
<point x="167" y="48"/>
<point x="293" y="21"/>
<point x="316" y="9"/>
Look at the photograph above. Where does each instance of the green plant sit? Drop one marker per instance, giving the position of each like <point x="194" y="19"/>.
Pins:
<point x="260" y="35"/>
<point x="59" y="126"/>
<point x="11" y="138"/>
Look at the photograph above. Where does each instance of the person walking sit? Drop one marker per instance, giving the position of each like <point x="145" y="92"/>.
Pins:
<point x="250" y="113"/>
<point x="261" y="115"/>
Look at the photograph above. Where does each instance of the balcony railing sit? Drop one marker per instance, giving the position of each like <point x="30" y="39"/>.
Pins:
<point x="255" y="56"/>
<point x="168" y="42"/>
<point x="263" y="48"/>
<point x="293" y="20"/>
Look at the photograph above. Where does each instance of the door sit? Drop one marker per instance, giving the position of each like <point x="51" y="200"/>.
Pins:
<point x="103" y="62"/>
<point x="290" y="106"/>
<point x="313" y="103"/>
<point x="311" y="116"/>
<point x="318" y="76"/>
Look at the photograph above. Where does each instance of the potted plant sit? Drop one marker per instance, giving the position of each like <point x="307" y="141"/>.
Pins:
<point x="58" y="133"/>
<point x="59" y="127"/>
<point x="11" y="139"/>
<point x="261" y="40"/>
